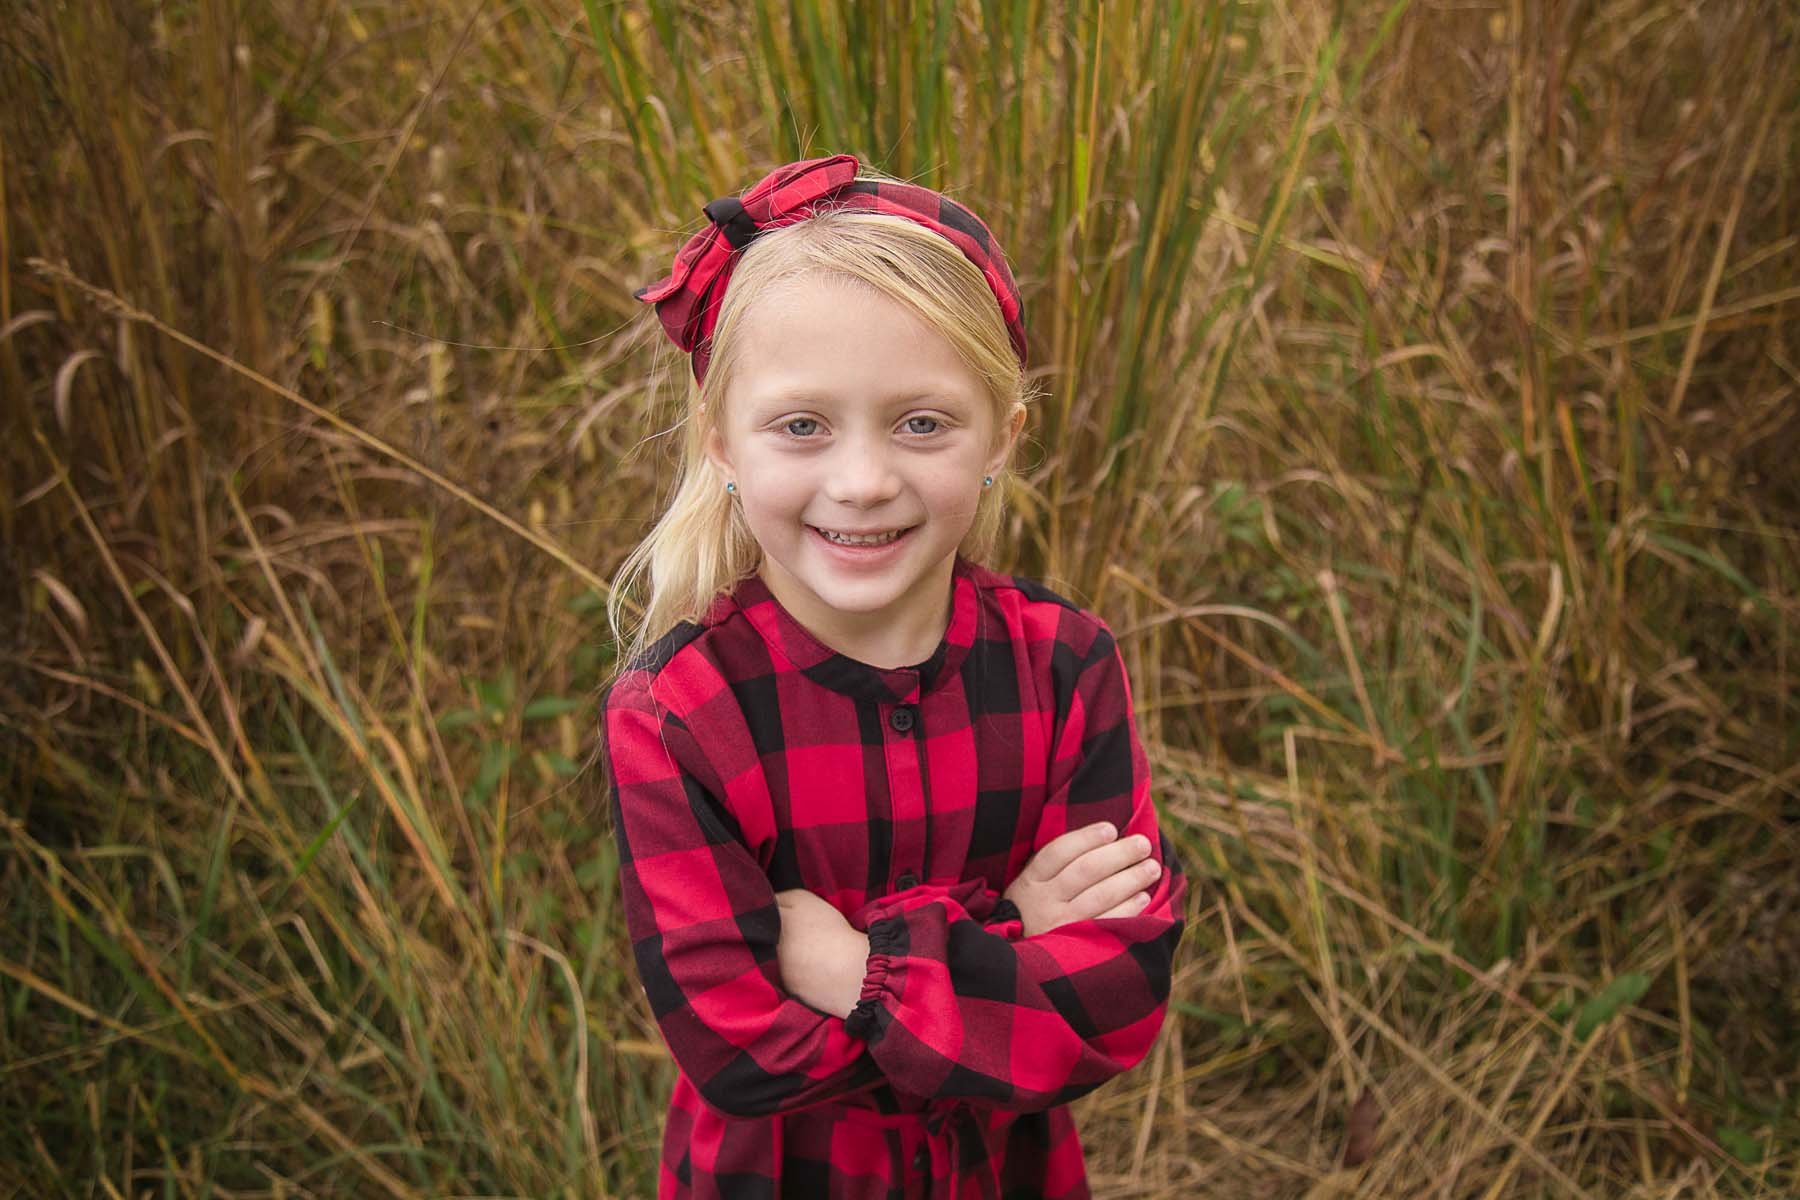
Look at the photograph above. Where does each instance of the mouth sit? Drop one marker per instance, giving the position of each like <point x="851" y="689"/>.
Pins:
<point x="861" y="540"/>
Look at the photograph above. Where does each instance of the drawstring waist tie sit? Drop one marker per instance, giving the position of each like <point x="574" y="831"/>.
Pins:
<point x="958" y="1145"/>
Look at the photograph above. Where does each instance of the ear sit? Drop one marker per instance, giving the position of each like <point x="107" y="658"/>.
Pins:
<point x="1005" y="438"/>
<point x="713" y="443"/>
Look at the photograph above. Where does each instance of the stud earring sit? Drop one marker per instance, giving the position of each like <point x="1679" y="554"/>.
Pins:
<point x="730" y="486"/>
<point x="987" y="481"/>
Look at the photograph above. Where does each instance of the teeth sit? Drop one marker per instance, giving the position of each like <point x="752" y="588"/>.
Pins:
<point x="845" y="539"/>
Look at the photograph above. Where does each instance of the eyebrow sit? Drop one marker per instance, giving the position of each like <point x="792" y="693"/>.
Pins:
<point x="894" y="400"/>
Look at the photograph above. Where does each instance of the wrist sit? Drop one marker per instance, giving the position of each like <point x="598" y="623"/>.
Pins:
<point x="854" y="969"/>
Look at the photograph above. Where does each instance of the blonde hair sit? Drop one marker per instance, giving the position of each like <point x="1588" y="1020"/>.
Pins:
<point x="700" y="546"/>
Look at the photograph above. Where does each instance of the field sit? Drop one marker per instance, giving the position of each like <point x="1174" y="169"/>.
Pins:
<point x="1421" y="406"/>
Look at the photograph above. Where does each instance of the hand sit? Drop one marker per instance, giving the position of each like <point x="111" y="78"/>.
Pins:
<point x="1087" y="872"/>
<point x="822" y="958"/>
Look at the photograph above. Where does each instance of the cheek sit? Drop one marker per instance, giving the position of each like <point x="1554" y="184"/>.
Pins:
<point x="955" y="492"/>
<point x="773" y="496"/>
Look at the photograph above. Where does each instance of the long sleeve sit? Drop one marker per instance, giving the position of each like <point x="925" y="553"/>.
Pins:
<point x="998" y="915"/>
<point x="704" y="927"/>
<point x="956" y="1009"/>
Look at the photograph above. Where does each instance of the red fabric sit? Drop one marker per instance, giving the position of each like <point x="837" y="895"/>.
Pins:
<point x="747" y="758"/>
<point x="687" y="300"/>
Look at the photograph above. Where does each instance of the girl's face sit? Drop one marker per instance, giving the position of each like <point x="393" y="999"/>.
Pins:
<point x="858" y="440"/>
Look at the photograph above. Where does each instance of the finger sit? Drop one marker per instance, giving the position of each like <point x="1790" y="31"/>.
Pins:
<point x="1101" y="862"/>
<point x="1127" y="908"/>
<point x="1058" y="853"/>
<point x="1117" y="887"/>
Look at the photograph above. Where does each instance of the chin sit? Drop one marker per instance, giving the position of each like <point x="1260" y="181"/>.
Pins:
<point x="862" y="599"/>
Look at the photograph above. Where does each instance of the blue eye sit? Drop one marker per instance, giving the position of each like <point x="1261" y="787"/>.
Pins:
<point x="801" y="426"/>
<point x="921" y="425"/>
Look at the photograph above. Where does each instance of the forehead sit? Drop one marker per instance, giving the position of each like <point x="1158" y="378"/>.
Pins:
<point x="832" y="338"/>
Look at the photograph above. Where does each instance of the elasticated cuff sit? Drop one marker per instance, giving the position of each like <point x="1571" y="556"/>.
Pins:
<point x="1005" y="910"/>
<point x="885" y="940"/>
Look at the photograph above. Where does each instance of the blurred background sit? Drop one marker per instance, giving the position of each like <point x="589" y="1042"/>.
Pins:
<point x="1421" y="410"/>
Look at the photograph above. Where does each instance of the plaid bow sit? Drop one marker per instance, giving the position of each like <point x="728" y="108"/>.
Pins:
<point x="688" y="300"/>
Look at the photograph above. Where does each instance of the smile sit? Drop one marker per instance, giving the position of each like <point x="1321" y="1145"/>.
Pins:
<point x="860" y="539"/>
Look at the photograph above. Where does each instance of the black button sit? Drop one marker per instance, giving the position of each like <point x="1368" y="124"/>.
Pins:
<point x="922" y="1159"/>
<point x="902" y="718"/>
<point x="908" y="880"/>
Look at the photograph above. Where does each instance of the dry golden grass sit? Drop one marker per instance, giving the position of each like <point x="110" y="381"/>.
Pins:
<point x="1422" y="413"/>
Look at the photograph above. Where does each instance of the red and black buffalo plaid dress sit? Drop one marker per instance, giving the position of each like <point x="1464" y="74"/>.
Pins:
<point x="747" y="757"/>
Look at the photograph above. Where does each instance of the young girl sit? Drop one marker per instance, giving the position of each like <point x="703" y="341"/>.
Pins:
<point x="889" y="862"/>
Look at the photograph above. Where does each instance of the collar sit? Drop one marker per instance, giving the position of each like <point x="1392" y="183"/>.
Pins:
<point x="852" y="677"/>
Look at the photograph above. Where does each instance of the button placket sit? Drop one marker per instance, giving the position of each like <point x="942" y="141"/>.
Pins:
<point x="906" y="789"/>
<point x="924" y="1172"/>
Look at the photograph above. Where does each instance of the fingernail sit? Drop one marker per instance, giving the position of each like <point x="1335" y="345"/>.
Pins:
<point x="1112" y="831"/>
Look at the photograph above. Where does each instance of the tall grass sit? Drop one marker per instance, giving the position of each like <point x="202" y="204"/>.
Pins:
<point x="1421" y="412"/>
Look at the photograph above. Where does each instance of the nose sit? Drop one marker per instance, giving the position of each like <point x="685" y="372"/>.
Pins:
<point x="861" y="474"/>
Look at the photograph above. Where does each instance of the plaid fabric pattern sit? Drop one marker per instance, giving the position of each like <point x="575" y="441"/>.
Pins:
<point x="747" y="757"/>
<point x="687" y="301"/>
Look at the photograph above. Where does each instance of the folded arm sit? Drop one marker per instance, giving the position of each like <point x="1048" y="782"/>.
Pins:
<point x="954" y="1009"/>
<point x="824" y="957"/>
<point x="704" y="928"/>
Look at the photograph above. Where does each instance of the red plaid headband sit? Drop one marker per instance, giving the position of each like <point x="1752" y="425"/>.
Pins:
<point x="688" y="300"/>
